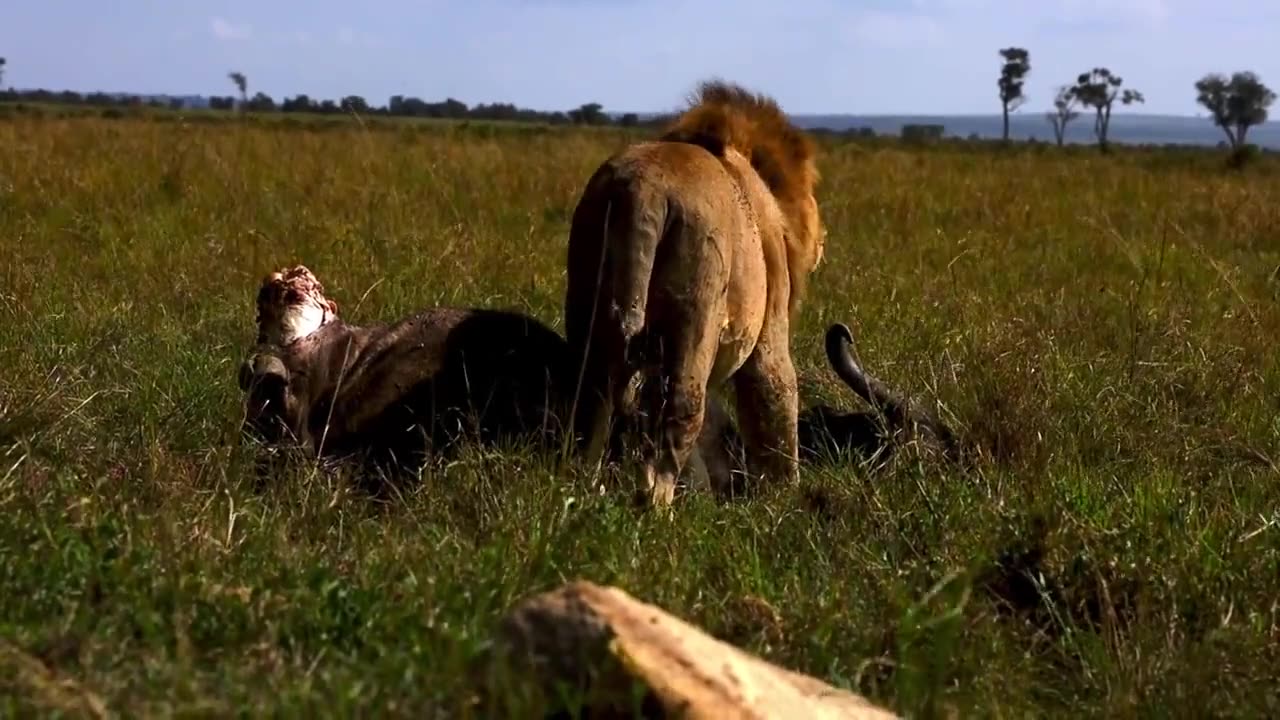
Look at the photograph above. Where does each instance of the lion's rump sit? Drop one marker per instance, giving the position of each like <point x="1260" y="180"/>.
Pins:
<point x="660" y="228"/>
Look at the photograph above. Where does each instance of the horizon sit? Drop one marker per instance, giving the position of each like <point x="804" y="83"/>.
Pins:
<point x="821" y="59"/>
<point x="1132" y="114"/>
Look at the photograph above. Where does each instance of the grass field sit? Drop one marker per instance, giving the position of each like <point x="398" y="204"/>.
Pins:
<point x="1104" y="328"/>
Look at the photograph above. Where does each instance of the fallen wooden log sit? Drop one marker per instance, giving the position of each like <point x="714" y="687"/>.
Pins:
<point x="605" y="645"/>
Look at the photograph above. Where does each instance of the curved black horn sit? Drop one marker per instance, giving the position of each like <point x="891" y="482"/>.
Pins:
<point x="245" y="376"/>
<point x="261" y="365"/>
<point x="900" y="412"/>
<point x="839" y="344"/>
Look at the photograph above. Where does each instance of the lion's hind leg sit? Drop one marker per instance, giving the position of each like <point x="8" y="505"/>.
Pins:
<point x="673" y="396"/>
<point x="768" y="408"/>
<point x="604" y="394"/>
<point x="675" y="407"/>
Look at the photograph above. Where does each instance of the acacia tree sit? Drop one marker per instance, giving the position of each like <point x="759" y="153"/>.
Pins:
<point x="588" y="114"/>
<point x="242" y="84"/>
<point x="1236" y="104"/>
<point x="1017" y="63"/>
<point x="354" y="104"/>
<point x="1063" y="112"/>
<point x="1099" y="89"/>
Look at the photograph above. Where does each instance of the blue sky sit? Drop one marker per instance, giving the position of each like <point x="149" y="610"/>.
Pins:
<point x="814" y="56"/>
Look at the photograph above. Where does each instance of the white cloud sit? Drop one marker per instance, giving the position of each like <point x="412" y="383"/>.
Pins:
<point x="1142" y="11"/>
<point x="225" y="30"/>
<point x="897" y="30"/>
<point x="951" y="5"/>
<point x="287" y="37"/>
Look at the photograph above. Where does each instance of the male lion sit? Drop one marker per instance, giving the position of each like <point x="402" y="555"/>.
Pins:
<point x="687" y="257"/>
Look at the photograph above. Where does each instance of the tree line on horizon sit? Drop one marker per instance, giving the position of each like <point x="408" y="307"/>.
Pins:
<point x="407" y="106"/>
<point x="397" y="105"/>
<point x="1235" y="103"/>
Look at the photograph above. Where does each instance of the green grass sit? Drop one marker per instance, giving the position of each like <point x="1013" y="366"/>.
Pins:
<point x="1104" y="328"/>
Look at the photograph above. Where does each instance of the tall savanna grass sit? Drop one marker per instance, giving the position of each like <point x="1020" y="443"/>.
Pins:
<point x="1103" y="329"/>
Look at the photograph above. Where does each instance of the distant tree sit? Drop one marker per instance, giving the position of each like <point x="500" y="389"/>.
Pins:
<point x="354" y="104"/>
<point x="915" y="133"/>
<point x="629" y="120"/>
<point x="1013" y="74"/>
<point x="452" y="108"/>
<point x="1235" y="105"/>
<point x="588" y="114"/>
<point x="1062" y="113"/>
<point x="261" y="102"/>
<point x="496" y="111"/>
<point x="1099" y="89"/>
<point x="413" y="107"/>
<point x="242" y="84"/>
<point x="2" y="64"/>
<point x="299" y="103"/>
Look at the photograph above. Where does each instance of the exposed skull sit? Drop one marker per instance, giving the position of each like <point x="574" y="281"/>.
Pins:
<point x="292" y="305"/>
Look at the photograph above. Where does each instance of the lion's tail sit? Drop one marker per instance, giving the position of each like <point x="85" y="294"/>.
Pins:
<point x="606" y="311"/>
<point x="633" y="229"/>
<point x="633" y="234"/>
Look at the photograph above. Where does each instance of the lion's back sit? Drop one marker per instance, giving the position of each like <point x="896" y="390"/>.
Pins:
<point x="696" y="194"/>
<point x="688" y="177"/>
